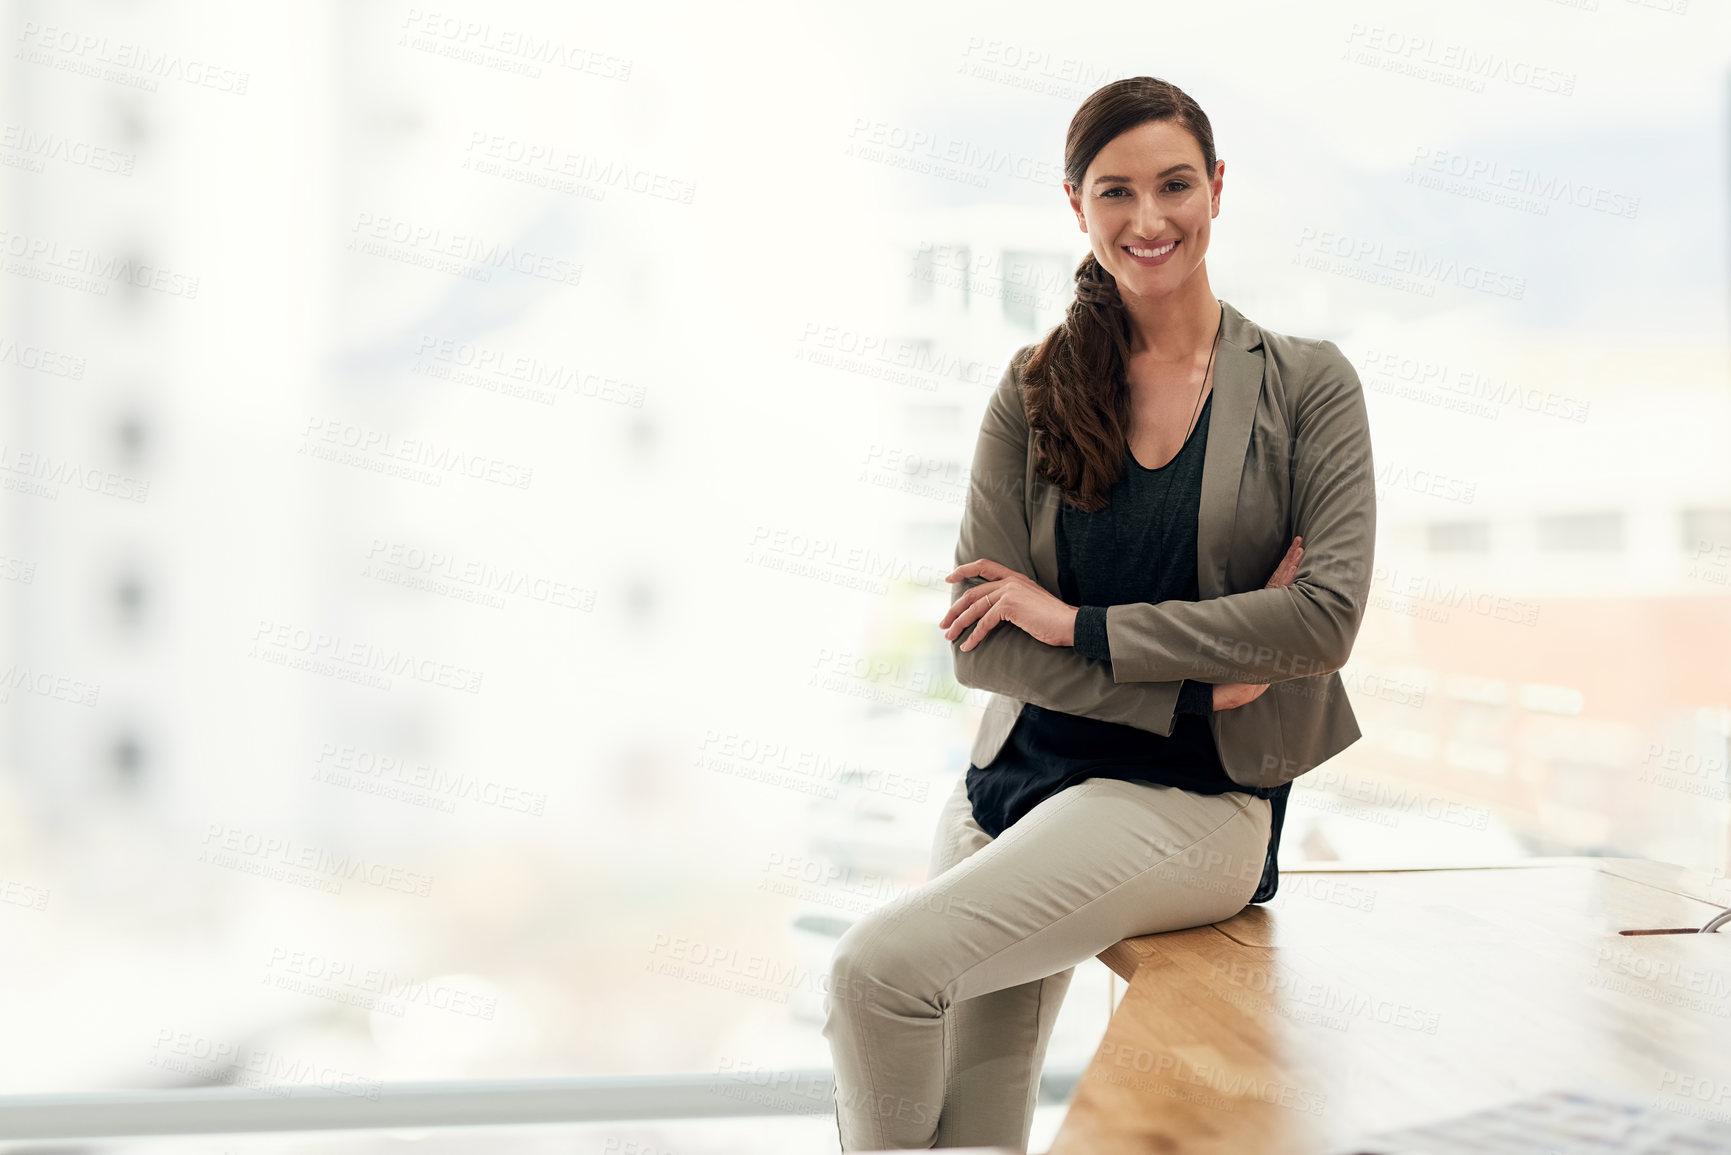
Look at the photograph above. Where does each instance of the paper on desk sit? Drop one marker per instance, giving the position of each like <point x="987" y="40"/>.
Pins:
<point x="1559" y="1123"/>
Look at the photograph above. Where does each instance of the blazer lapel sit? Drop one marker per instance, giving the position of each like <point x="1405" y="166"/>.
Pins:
<point x="1237" y="387"/>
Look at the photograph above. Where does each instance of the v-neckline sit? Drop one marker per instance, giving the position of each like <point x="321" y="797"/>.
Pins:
<point x="1131" y="453"/>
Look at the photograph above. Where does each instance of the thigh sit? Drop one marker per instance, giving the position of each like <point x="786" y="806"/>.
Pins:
<point x="958" y="835"/>
<point x="1100" y="861"/>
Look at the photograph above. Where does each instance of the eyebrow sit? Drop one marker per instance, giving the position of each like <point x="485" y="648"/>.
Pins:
<point x="1161" y="175"/>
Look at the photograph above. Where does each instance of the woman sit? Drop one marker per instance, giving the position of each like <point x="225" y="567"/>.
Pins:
<point x="1131" y="772"/>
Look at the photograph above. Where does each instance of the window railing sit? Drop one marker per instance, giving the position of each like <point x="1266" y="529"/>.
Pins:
<point x="457" y="1103"/>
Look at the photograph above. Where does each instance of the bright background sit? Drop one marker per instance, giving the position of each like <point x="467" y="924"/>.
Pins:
<point x="477" y="485"/>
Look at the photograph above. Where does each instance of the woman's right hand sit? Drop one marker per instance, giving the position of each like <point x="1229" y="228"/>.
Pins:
<point x="1229" y="695"/>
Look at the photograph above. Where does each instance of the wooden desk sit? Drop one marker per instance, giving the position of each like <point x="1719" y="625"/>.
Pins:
<point x="1362" y="1000"/>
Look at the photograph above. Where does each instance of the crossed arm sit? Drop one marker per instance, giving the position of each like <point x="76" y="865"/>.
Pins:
<point x="1302" y="629"/>
<point x="1009" y="660"/>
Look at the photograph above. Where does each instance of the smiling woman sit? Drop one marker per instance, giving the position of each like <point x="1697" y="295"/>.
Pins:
<point x="1163" y="563"/>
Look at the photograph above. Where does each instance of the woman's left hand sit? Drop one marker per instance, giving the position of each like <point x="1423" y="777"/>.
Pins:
<point x="1007" y="596"/>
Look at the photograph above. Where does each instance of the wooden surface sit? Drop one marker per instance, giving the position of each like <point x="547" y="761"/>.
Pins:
<point x="1362" y="1000"/>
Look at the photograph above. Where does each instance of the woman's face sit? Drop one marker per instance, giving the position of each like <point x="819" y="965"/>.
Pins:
<point x="1145" y="190"/>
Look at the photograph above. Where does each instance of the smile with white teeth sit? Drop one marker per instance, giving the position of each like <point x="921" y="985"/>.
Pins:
<point x="1159" y="252"/>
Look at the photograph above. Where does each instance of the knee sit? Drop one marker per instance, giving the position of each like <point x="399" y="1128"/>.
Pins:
<point x="855" y="963"/>
<point x="873" y="958"/>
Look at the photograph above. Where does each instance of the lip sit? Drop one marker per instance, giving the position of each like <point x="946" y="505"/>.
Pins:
<point x="1150" y="262"/>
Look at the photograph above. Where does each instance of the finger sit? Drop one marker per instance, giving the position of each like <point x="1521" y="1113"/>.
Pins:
<point x="981" y="567"/>
<point x="987" y="568"/>
<point x="967" y="599"/>
<point x="1285" y="575"/>
<point x="991" y="618"/>
<point x="975" y="609"/>
<point x="1287" y="570"/>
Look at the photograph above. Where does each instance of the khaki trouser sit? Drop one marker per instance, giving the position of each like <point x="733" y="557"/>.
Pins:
<point x="941" y="1002"/>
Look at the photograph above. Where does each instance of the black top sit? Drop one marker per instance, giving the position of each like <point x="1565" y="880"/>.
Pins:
<point x="1141" y="547"/>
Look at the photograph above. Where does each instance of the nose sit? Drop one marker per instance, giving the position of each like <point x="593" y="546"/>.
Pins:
<point x="1149" y="218"/>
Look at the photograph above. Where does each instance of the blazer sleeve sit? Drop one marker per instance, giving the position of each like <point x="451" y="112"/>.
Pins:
<point x="1011" y="661"/>
<point x="1297" y="631"/>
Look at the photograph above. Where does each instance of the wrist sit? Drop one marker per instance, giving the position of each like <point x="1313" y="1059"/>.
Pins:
<point x="1089" y="628"/>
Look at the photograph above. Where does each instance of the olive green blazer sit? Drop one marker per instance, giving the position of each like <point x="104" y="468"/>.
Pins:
<point x="1288" y="452"/>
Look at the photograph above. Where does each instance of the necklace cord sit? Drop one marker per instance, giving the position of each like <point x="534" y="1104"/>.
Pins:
<point x="1205" y="369"/>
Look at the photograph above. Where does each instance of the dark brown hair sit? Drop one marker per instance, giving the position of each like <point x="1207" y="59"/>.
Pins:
<point x="1074" y="386"/>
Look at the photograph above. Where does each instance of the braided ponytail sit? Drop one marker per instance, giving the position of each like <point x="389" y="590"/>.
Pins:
<point x="1074" y="385"/>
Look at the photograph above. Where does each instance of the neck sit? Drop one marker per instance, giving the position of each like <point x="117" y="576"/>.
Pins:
<point x="1173" y="326"/>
